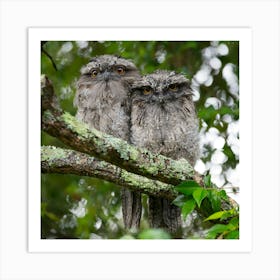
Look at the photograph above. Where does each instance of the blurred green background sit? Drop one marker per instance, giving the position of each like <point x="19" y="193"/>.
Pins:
<point x="80" y="207"/>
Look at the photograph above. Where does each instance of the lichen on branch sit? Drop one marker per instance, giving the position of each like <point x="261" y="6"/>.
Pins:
<point x="103" y="156"/>
<point x="64" y="161"/>
<point x="105" y="147"/>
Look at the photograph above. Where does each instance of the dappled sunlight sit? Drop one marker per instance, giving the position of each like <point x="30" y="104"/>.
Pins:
<point x="79" y="209"/>
<point x="219" y="140"/>
<point x="89" y="208"/>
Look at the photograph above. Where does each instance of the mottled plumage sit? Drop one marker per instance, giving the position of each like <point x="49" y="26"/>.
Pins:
<point x="103" y="102"/>
<point x="163" y="120"/>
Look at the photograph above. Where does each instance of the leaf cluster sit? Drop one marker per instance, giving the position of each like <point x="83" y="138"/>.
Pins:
<point x="208" y="199"/>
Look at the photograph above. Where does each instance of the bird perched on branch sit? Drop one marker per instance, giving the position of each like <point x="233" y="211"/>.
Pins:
<point x="103" y="102"/>
<point x="163" y="120"/>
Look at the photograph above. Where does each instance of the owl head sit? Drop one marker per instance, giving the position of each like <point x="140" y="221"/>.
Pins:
<point x="107" y="68"/>
<point x="106" y="79"/>
<point x="161" y="87"/>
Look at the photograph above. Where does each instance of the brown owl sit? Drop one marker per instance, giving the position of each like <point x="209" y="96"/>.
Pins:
<point x="103" y="102"/>
<point x="163" y="120"/>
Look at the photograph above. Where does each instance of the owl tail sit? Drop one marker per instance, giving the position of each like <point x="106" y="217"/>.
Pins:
<point x="163" y="214"/>
<point x="131" y="208"/>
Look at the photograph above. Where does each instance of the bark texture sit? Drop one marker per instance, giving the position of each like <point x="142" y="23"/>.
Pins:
<point x="102" y="156"/>
<point x="78" y="136"/>
<point x="63" y="161"/>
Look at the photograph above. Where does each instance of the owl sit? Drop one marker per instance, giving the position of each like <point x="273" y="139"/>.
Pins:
<point x="164" y="120"/>
<point x="103" y="102"/>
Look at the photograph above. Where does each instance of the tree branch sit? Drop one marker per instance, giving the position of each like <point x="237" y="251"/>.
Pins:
<point x="105" y="147"/>
<point x="121" y="163"/>
<point x="47" y="54"/>
<point x="62" y="161"/>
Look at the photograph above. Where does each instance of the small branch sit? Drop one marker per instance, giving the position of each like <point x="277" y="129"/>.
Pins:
<point x="105" y="147"/>
<point x="62" y="161"/>
<point x="47" y="54"/>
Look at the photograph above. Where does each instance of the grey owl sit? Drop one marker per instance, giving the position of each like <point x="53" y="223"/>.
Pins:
<point x="163" y="120"/>
<point x="103" y="102"/>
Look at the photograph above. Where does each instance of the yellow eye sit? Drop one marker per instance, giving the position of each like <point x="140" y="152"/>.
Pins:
<point x="147" y="90"/>
<point x="94" y="73"/>
<point x="120" y="70"/>
<point x="173" y="87"/>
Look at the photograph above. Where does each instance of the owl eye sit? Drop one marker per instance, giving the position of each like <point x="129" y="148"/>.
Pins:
<point x="120" y="70"/>
<point x="94" y="73"/>
<point x="147" y="90"/>
<point x="173" y="87"/>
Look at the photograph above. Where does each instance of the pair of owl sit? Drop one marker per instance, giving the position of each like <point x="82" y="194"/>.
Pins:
<point x="154" y="111"/>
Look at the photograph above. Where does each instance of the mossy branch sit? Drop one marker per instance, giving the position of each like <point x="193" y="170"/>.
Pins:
<point x="63" y="161"/>
<point x="116" y="151"/>
<point x="118" y="162"/>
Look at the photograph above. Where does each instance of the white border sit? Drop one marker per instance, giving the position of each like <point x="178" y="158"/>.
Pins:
<point x="243" y="35"/>
<point x="263" y="260"/>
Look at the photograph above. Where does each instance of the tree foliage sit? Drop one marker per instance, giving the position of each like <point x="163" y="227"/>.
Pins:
<point x="82" y="207"/>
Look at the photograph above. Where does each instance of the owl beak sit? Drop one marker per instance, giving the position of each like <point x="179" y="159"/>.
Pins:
<point x="160" y="97"/>
<point x="106" y="76"/>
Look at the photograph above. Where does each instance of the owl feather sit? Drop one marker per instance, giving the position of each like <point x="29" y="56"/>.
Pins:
<point x="163" y="120"/>
<point x="103" y="102"/>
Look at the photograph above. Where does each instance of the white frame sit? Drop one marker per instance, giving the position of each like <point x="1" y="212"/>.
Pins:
<point x="243" y="35"/>
<point x="262" y="262"/>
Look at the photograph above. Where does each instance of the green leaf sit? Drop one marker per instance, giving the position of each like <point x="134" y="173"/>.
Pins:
<point x="207" y="180"/>
<point x="155" y="233"/>
<point x="232" y="235"/>
<point x="222" y="194"/>
<point x="215" y="200"/>
<point x="235" y="222"/>
<point x="215" y="216"/>
<point x="188" y="207"/>
<point x="228" y="214"/>
<point x="215" y="230"/>
<point x="188" y="184"/>
<point x="179" y="200"/>
<point x="199" y="195"/>
<point x="188" y="187"/>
